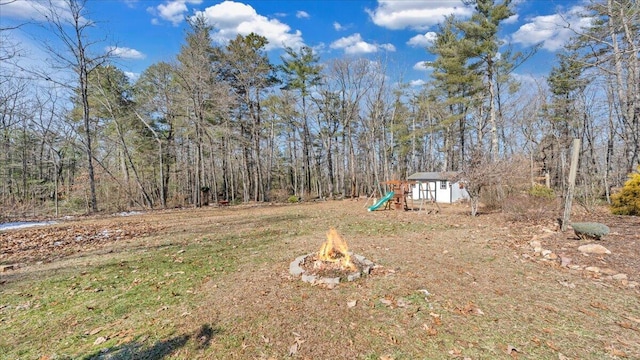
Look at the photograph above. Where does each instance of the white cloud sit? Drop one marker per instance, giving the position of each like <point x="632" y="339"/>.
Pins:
<point x="423" y="40"/>
<point x="422" y="66"/>
<point x="231" y="18"/>
<point x="553" y="31"/>
<point x="131" y="3"/>
<point x="417" y="15"/>
<point x="355" y="45"/>
<point x="529" y="81"/>
<point x="302" y="14"/>
<point x="172" y="10"/>
<point x="34" y="10"/>
<point x="125" y="53"/>
<point x="388" y="47"/>
<point x="417" y="83"/>
<point x="512" y="19"/>
<point x="341" y="27"/>
<point x="23" y="9"/>
<point x="133" y="76"/>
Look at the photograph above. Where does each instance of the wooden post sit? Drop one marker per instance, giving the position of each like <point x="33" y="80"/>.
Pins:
<point x="575" y="154"/>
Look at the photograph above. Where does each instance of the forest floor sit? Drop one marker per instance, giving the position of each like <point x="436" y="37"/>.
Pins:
<point x="214" y="283"/>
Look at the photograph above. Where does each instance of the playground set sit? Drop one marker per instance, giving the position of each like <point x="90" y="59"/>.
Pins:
<point x="400" y="196"/>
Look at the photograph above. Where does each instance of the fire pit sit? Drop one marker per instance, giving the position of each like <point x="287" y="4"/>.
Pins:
<point x="332" y="264"/>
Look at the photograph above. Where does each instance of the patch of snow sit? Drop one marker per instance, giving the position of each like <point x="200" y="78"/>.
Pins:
<point x="23" y="224"/>
<point x="130" y="213"/>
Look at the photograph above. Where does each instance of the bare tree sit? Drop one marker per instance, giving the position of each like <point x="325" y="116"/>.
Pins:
<point x="67" y="20"/>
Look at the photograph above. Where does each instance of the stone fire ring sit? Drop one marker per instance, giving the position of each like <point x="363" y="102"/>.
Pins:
<point x="296" y="270"/>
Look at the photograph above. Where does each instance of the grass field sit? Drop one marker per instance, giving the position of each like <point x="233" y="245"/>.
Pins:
<point x="214" y="284"/>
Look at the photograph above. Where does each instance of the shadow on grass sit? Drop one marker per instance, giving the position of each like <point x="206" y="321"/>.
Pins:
<point x="137" y="350"/>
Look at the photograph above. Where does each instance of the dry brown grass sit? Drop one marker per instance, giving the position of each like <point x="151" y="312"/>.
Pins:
<point x="486" y="301"/>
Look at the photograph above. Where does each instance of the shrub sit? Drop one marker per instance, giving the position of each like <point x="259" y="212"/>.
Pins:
<point x="279" y="195"/>
<point x="590" y="230"/>
<point x="293" y="199"/>
<point x="541" y="191"/>
<point x="525" y="207"/>
<point x="627" y="201"/>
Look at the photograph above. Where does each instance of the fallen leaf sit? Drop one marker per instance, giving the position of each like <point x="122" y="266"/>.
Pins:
<point x="587" y="312"/>
<point x="618" y="353"/>
<point x="599" y="305"/>
<point x="626" y="325"/>
<point x="437" y="320"/>
<point x="430" y="330"/>
<point x="351" y="304"/>
<point x="293" y="349"/>
<point x="100" y="340"/>
<point x="386" y="357"/>
<point x="565" y="283"/>
<point x="386" y="302"/>
<point x="552" y="346"/>
<point x="95" y="331"/>
<point x="511" y="350"/>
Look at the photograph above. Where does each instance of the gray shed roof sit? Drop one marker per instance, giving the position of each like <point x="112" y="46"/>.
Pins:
<point x="433" y="175"/>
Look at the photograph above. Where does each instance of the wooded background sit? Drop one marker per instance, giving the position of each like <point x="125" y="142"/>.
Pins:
<point x="227" y="123"/>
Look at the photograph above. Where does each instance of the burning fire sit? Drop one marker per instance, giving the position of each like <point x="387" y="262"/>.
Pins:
<point x="335" y="250"/>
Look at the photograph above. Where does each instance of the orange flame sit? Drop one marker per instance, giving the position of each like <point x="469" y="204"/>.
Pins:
<point x="335" y="250"/>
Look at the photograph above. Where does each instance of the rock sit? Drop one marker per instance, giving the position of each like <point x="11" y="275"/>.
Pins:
<point x="565" y="261"/>
<point x="546" y="253"/>
<point x="593" y="249"/>
<point x="294" y="268"/>
<point x="609" y="271"/>
<point x="619" y="277"/>
<point x="535" y="244"/>
<point x="593" y="269"/>
<point x="590" y="230"/>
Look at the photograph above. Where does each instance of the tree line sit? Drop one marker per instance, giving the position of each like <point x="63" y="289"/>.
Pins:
<point x="224" y="122"/>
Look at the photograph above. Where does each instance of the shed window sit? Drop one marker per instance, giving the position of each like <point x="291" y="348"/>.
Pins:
<point x="443" y="185"/>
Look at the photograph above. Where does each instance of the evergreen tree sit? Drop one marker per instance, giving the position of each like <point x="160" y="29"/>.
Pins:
<point x="480" y="34"/>
<point x="248" y="71"/>
<point x="456" y="85"/>
<point x="302" y="72"/>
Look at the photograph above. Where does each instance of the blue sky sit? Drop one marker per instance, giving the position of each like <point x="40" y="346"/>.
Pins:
<point x="396" y="32"/>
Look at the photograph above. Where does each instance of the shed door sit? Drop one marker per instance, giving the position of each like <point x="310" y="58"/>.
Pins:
<point x="427" y="190"/>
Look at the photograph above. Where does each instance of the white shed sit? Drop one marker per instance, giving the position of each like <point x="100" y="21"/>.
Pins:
<point x="437" y="186"/>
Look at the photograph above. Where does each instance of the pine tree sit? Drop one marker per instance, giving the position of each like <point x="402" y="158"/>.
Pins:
<point x="302" y="72"/>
